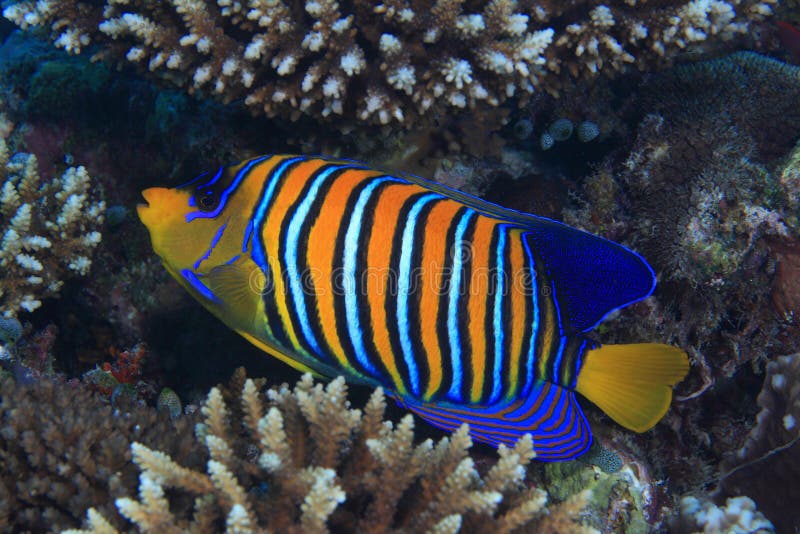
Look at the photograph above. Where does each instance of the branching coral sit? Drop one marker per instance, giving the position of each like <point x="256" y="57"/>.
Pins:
<point x="398" y="60"/>
<point x="295" y="460"/>
<point x="49" y="230"/>
<point x="63" y="451"/>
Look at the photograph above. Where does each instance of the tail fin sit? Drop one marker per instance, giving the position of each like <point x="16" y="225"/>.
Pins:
<point x="632" y="383"/>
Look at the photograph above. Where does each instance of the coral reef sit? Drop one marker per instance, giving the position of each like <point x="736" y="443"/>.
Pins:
<point x="291" y="460"/>
<point x="770" y="457"/>
<point x="395" y="61"/>
<point x="305" y="460"/>
<point x="49" y="229"/>
<point x="63" y="450"/>
<point x="739" y="515"/>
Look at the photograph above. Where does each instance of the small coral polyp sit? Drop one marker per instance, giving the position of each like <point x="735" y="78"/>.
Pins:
<point x="48" y="230"/>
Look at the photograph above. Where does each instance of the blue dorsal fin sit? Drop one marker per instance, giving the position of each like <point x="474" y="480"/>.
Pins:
<point x="592" y="275"/>
<point x="550" y="414"/>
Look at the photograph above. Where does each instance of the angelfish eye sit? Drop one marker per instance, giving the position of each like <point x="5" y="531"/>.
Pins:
<point x="207" y="201"/>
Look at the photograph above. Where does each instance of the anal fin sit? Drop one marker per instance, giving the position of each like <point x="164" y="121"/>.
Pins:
<point x="550" y="413"/>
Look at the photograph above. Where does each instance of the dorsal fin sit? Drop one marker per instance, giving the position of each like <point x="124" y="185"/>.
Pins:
<point x="591" y="276"/>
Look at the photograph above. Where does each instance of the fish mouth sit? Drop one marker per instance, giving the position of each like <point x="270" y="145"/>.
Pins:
<point x="146" y="210"/>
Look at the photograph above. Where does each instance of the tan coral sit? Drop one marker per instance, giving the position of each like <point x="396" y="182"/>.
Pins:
<point x="325" y="464"/>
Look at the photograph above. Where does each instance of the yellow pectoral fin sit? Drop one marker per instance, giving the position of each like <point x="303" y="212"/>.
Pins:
<point x="234" y="286"/>
<point x="632" y="383"/>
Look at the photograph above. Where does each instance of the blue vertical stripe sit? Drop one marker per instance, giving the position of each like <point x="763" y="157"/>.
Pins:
<point x="214" y="180"/>
<point x="529" y="378"/>
<point x="453" y="307"/>
<point x="499" y="297"/>
<point x="248" y="234"/>
<point x="259" y="254"/>
<point x="351" y="242"/>
<point x="403" y="287"/>
<point x="290" y="257"/>
<point x="199" y="286"/>
<point x="213" y="244"/>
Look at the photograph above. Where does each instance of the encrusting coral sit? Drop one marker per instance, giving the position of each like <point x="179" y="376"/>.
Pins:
<point x="48" y="230"/>
<point x="393" y="61"/>
<point x="303" y="460"/>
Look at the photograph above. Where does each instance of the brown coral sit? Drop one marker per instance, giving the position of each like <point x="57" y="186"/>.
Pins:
<point x="395" y="61"/>
<point x="62" y="450"/>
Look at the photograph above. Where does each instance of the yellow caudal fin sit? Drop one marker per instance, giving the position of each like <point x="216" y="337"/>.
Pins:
<point x="632" y="383"/>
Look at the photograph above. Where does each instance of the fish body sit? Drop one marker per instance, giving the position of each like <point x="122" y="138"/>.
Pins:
<point x="462" y="310"/>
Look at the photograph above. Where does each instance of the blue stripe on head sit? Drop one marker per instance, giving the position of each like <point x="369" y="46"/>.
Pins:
<point x="199" y="286"/>
<point x="351" y="245"/>
<point x="193" y="180"/>
<point x="223" y="199"/>
<point x="499" y="339"/>
<point x="529" y="378"/>
<point x="293" y="275"/>
<point x="259" y="254"/>
<point x="454" y="295"/>
<point x="248" y="233"/>
<point x="214" y="242"/>
<point x="213" y="180"/>
<point x="403" y="288"/>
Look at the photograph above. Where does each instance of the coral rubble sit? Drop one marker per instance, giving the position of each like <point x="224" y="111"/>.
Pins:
<point x="394" y="61"/>
<point x="48" y="230"/>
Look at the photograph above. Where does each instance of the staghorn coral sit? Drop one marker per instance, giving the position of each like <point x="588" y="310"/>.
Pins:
<point x="770" y="456"/>
<point x="49" y="230"/>
<point x="305" y="461"/>
<point x="63" y="450"/>
<point x="395" y="61"/>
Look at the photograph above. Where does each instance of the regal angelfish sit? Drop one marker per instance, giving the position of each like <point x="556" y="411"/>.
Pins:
<point x="462" y="310"/>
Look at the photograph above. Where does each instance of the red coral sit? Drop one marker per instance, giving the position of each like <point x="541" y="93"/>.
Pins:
<point x="127" y="367"/>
